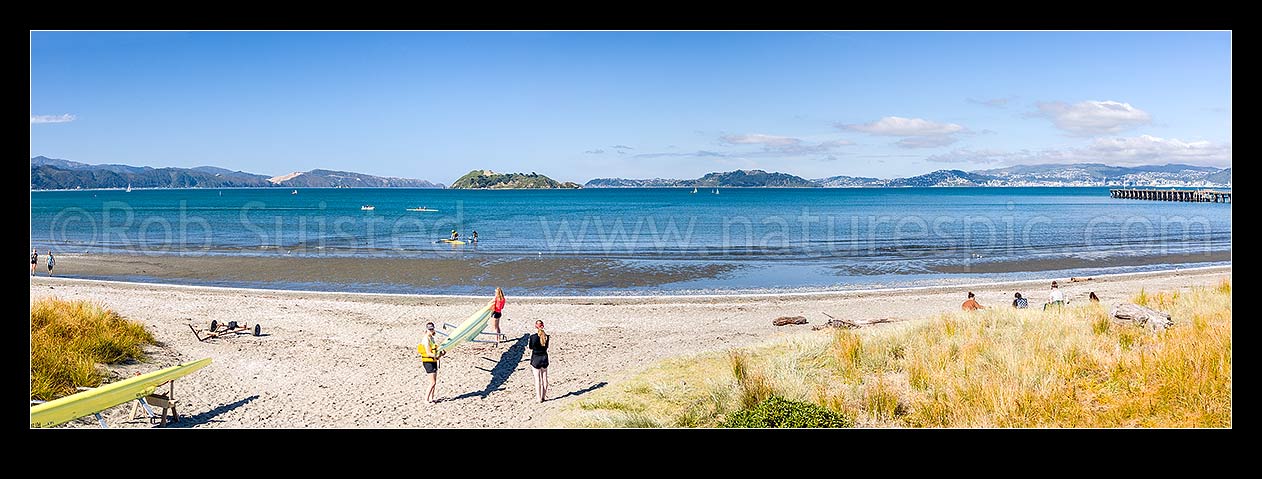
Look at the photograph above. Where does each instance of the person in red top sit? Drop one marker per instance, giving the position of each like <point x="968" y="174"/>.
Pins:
<point x="497" y="307"/>
<point x="970" y="304"/>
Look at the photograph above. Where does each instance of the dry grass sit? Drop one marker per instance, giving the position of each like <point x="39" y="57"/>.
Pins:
<point x="1068" y="367"/>
<point x="69" y="338"/>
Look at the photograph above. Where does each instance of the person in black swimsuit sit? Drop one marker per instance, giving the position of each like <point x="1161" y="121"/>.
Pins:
<point x="539" y="360"/>
<point x="34" y="260"/>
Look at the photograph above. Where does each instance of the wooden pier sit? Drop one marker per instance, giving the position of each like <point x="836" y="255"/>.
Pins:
<point x="1200" y="196"/>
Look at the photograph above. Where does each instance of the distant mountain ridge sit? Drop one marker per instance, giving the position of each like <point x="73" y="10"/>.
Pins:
<point x="52" y="173"/>
<point x="737" y="179"/>
<point x="489" y="180"/>
<point x="1084" y="174"/>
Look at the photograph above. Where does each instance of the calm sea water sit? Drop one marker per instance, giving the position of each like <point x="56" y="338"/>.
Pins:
<point x="783" y="239"/>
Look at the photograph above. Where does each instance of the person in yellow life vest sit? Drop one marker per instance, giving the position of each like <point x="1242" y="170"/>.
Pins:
<point x="429" y="358"/>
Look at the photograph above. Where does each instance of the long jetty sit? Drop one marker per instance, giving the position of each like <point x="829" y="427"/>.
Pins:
<point x="1199" y="196"/>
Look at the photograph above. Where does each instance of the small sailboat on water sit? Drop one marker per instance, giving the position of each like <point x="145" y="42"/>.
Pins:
<point x="129" y="187"/>
<point x="293" y="192"/>
<point x="694" y="190"/>
<point x="716" y="191"/>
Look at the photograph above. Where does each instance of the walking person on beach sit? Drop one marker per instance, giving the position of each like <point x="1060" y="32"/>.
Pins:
<point x="1020" y="303"/>
<point x="51" y="262"/>
<point x="34" y="260"/>
<point x="971" y="304"/>
<point x="497" y="308"/>
<point x="429" y="358"/>
<point x="539" y="360"/>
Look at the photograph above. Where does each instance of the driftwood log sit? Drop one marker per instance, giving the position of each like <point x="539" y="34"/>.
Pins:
<point x="1139" y="315"/>
<point x="783" y="320"/>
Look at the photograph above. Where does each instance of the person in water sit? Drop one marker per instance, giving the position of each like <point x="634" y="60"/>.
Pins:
<point x="51" y="262"/>
<point x="497" y="308"/>
<point x="475" y="236"/>
<point x="454" y="235"/>
<point x="539" y="360"/>
<point x="1020" y="303"/>
<point x="971" y="304"/>
<point x="34" y="260"/>
<point x="429" y="359"/>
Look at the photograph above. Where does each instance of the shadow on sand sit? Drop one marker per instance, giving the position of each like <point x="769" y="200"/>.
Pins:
<point x="581" y="391"/>
<point x="208" y="416"/>
<point x="503" y="369"/>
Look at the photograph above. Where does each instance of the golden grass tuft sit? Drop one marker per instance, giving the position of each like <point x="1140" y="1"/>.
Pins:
<point x="1000" y="367"/>
<point x="68" y="339"/>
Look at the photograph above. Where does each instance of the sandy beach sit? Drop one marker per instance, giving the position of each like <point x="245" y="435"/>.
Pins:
<point x="335" y="360"/>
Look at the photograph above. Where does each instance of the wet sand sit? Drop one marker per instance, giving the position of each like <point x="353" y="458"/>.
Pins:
<point x="414" y="274"/>
<point x="334" y="360"/>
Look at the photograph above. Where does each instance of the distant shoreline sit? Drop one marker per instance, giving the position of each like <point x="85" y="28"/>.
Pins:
<point x="632" y="188"/>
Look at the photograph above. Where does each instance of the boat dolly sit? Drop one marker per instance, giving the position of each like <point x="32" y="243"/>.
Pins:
<point x="230" y="330"/>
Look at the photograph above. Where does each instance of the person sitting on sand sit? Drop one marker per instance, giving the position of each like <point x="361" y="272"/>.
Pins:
<point x="1094" y="298"/>
<point x="1057" y="298"/>
<point x="51" y="262"/>
<point x="539" y="360"/>
<point x="34" y="260"/>
<point x="429" y="358"/>
<point x="1020" y="303"/>
<point x="970" y="304"/>
<point x="497" y="308"/>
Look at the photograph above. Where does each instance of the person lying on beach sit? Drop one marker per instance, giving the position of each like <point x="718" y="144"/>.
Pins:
<point x="429" y="358"/>
<point x="1020" y="303"/>
<point x="970" y="304"/>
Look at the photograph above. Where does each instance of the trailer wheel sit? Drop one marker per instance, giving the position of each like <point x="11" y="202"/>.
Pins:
<point x="214" y="324"/>
<point x="257" y="330"/>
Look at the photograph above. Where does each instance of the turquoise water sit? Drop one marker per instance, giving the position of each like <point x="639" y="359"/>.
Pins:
<point x="783" y="239"/>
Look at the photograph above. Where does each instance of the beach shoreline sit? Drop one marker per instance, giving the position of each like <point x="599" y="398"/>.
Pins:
<point x="335" y="360"/>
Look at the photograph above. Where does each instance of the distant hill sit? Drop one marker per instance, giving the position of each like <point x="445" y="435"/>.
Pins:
<point x="1096" y="174"/>
<point x="51" y="173"/>
<point x="625" y="183"/>
<point x="848" y="181"/>
<point x="1082" y="174"/>
<point x="487" y="179"/>
<point x="942" y="178"/>
<point x="738" y="178"/>
<point x="751" y="178"/>
<point x="346" y="179"/>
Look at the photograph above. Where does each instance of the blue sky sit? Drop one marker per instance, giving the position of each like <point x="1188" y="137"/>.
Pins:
<point x="580" y="105"/>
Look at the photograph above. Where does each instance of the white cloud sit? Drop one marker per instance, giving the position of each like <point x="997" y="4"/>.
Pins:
<point x="1090" y="118"/>
<point x="916" y="132"/>
<point x="992" y="102"/>
<point x="759" y="139"/>
<point x="1146" y="149"/>
<point x="899" y="126"/>
<point x="65" y="118"/>
<point x="965" y="155"/>
<point x="782" y="145"/>
<point x="1117" y="151"/>
<point x="926" y="141"/>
